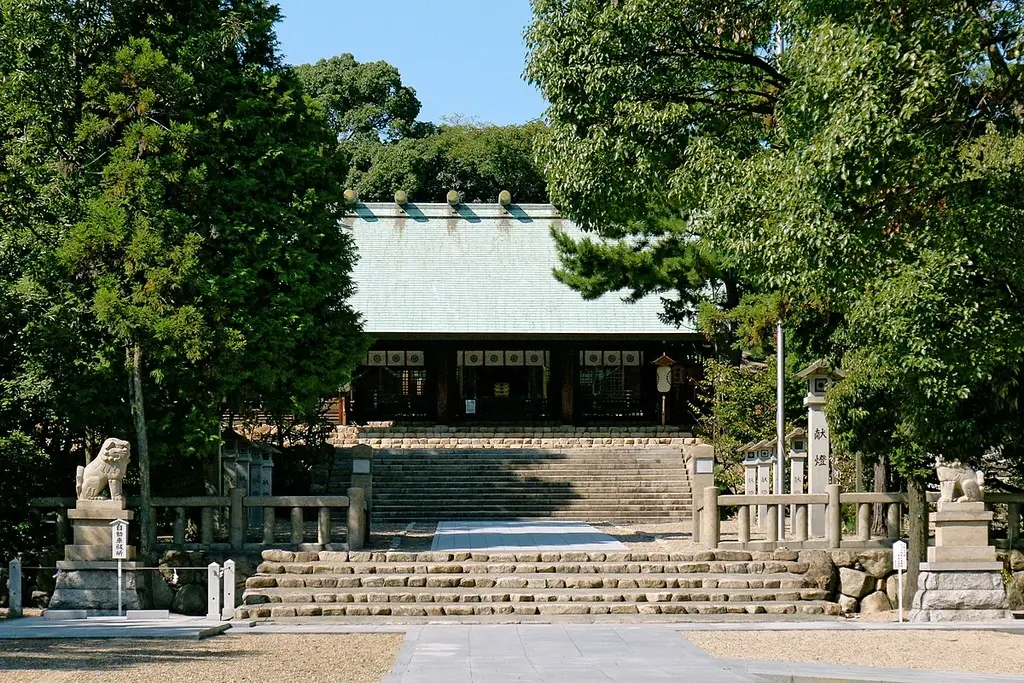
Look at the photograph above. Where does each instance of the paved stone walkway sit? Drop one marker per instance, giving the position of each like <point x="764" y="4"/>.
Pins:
<point x="501" y="535"/>
<point x="556" y="654"/>
<point x="111" y="627"/>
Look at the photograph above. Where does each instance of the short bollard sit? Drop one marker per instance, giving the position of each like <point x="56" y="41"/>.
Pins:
<point x="229" y="590"/>
<point x="14" y="588"/>
<point x="213" y="592"/>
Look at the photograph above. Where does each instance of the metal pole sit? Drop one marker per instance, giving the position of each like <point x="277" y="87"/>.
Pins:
<point x="780" y="423"/>
<point x="119" y="586"/>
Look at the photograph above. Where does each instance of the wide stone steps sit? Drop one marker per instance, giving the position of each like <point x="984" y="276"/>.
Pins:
<point x="401" y="584"/>
<point x="606" y="482"/>
<point x="517" y="610"/>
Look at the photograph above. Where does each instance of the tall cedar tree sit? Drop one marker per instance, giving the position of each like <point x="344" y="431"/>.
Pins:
<point x="171" y="167"/>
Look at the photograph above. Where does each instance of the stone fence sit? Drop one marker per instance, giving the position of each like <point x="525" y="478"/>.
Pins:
<point x="222" y="522"/>
<point x="767" y="509"/>
<point x="795" y="509"/>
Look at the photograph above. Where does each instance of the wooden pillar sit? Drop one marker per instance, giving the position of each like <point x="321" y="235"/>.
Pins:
<point x="567" y="360"/>
<point x="441" y="363"/>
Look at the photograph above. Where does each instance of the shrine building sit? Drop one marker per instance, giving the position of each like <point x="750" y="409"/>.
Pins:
<point x="471" y="326"/>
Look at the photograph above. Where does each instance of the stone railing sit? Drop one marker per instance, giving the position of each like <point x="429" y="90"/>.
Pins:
<point x="1012" y="503"/>
<point x="222" y="521"/>
<point x="798" y="533"/>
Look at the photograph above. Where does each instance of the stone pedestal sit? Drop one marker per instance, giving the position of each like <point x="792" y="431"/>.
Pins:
<point x="962" y="581"/>
<point x="87" y="577"/>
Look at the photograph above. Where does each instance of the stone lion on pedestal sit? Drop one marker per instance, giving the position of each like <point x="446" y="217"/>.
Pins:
<point x="954" y="478"/>
<point x="106" y="469"/>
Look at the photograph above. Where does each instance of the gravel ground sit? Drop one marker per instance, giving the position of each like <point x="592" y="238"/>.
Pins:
<point x="27" y="611"/>
<point x="981" y="652"/>
<point x="340" y="658"/>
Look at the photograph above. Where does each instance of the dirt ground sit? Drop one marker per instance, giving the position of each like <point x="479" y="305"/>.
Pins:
<point x="979" y="652"/>
<point x="341" y="658"/>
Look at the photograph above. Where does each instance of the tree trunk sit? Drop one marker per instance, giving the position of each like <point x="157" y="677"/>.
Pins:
<point x="917" y="531"/>
<point x="147" y="529"/>
<point x="881" y="485"/>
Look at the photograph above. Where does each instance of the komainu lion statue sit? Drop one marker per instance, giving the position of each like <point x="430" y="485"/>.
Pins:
<point x="107" y="468"/>
<point x="954" y="478"/>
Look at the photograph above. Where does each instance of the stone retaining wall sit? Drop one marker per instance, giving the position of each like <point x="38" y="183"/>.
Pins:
<point x="386" y="436"/>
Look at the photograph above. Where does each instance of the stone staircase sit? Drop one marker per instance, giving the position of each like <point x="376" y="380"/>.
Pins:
<point x="509" y="586"/>
<point x="594" y="483"/>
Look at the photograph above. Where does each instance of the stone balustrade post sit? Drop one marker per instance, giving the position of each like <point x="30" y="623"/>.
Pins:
<point x="1012" y="524"/>
<point x="709" y="518"/>
<point x="863" y="521"/>
<point x="213" y="612"/>
<point x="833" y="517"/>
<point x="744" y="521"/>
<point x="800" y="523"/>
<point x="206" y="526"/>
<point x="356" y="518"/>
<point x="14" y="588"/>
<point x="893" y="515"/>
<point x="269" y="524"/>
<point x="323" y="526"/>
<point x="771" y="530"/>
<point x="236" y="534"/>
<point x="179" y="526"/>
<point x="229" y="590"/>
<point x="298" y="521"/>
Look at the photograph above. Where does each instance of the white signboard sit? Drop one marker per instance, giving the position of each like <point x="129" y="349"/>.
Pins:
<point x="470" y="406"/>
<point x="119" y="539"/>
<point x="899" y="556"/>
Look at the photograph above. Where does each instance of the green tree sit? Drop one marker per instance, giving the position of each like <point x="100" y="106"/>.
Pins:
<point x="477" y="160"/>
<point x="182" y="195"/>
<point x="860" y="161"/>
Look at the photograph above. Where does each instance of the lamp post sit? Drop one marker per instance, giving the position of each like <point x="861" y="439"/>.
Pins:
<point x="664" y="371"/>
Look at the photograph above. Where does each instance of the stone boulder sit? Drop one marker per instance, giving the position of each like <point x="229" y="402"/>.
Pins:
<point x="163" y="594"/>
<point x="877" y="563"/>
<point x="843" y="558"/>
<point x="875" y="602"/>
<point x="854" y="583"/>
<point x="847" y="604"/>
<point x="821" y="572"/>
<point x="892" y="588"/>
<point x="190" y="599"/>
<point x="1015" y="592"/>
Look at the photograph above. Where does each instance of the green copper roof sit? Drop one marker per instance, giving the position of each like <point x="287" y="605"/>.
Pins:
<point x="477" y="269"/>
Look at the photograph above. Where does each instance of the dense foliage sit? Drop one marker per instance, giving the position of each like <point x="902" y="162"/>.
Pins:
<point x="858" y="163"/>
<point x="374" y="117"/>
<point x="169" y="223"/>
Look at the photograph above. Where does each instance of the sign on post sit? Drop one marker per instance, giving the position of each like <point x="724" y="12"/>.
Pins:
<point x="119" y="552"/>
<point x="119" y="539"/>
<point x="899" y="563"/>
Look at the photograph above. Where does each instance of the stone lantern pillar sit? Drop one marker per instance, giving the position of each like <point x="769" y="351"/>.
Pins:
<point x="819" y="375"/>
<point x="750" y="475"/>
<point x="765" y="456"/>
<point x="797" y="464"/>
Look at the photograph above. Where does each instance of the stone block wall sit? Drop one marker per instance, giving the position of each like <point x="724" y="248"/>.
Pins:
<point x="391" y="436"/>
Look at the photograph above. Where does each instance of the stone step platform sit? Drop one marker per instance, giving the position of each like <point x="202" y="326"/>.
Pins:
<point x="607" y="515"/>
<point x="517" y="609"/>
<point x="294" y="584"/>
<point x="530" y="488"/>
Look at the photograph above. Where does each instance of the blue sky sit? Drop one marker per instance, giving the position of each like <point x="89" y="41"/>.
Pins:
<point x="463" y="57"/>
